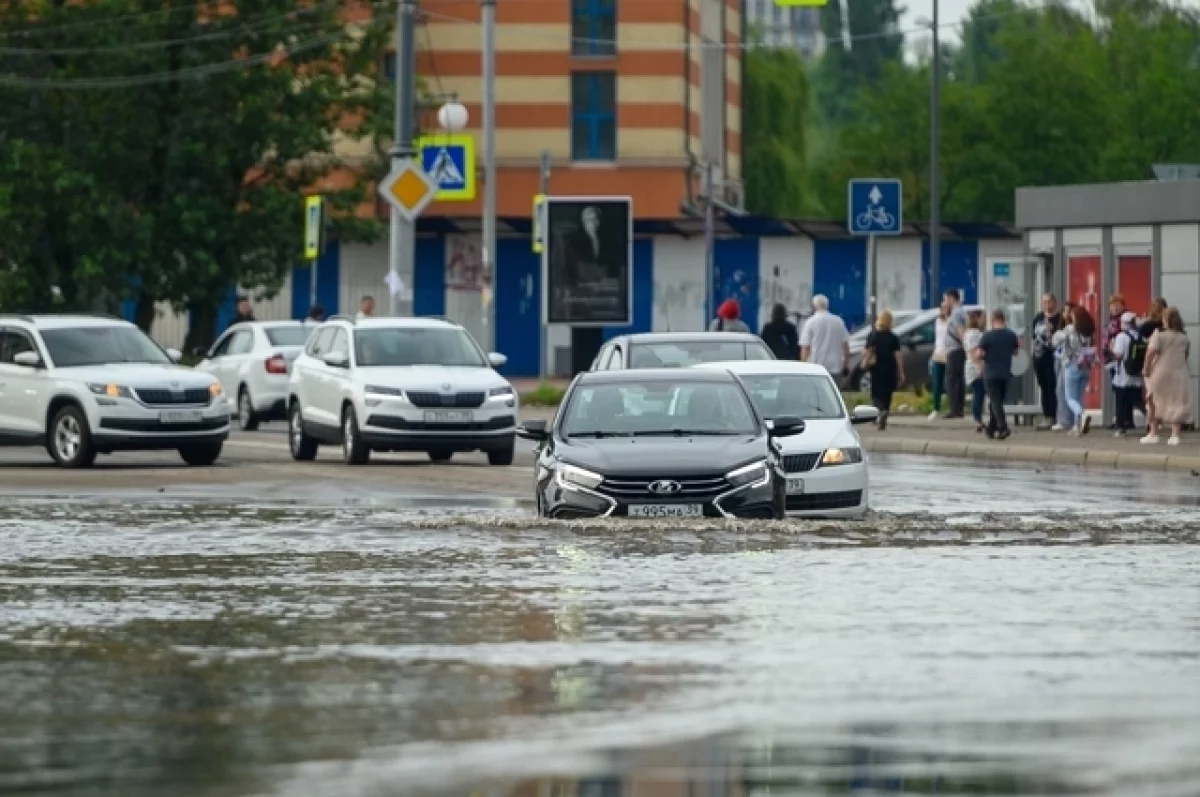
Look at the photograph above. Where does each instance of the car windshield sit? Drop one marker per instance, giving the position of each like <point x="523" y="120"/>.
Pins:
<point x="682" y="353"/>
<point x="658" y="408"/>
<point x="75" y="346"/>
<point x="809" y="397"/>
<point x="291" y="335"/>
<point x="400" y="346"/>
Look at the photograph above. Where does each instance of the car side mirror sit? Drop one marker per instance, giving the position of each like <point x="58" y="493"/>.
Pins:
<point x="29" y="359"/>
<point x="175" y="355"/>
<point x="533" y="430"/>
<point x="786" y="426"/>
<point x="336" y="359"/>
<point x="497" y="360"/>
<point x="864" y="413"/>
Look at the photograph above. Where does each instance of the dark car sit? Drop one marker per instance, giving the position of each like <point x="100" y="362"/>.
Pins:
<point x="659" y="443"/>
<point x="678" y="350"/>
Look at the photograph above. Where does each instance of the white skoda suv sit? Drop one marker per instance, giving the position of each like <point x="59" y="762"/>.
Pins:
<point x="399" y="384"/>
<point x="86" y="385"/>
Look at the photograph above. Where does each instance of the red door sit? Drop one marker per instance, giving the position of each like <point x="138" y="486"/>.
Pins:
<point x="1084" y="288"/>
<point x="1133" y="282"/>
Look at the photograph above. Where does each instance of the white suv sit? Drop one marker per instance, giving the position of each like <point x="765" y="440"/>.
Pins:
<point x="86" y="385"/>
<point x="399" y="384"/>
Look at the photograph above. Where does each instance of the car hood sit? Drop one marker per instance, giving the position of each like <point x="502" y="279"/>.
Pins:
<point x="137" y="375"/>
<point x="431" y="377"/>
<point x="819" y="435"/>
<point x="643" y="457"/>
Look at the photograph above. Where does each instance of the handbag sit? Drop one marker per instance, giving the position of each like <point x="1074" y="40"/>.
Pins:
<point x="868" y="356"/>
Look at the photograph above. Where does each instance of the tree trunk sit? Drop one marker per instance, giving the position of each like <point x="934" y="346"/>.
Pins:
<point x="144" y="313"/>
<point x="202" y="327"/>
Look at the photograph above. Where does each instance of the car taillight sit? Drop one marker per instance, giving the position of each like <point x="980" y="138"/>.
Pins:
<point x="276" y="364"/>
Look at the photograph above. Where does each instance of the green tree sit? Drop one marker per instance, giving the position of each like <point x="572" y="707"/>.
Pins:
<point x="775" y="106"/>
<point x="843" y="71"/>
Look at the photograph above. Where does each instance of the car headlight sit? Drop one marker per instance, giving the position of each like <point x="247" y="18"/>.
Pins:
<point x="380" y="390"/>
<point x="111" y="391"/>
<point x="840" y="456"/>
<point x="500" y="391"/>
<point x="569" y="476"/>
<point x="216" y="390"/>
<point x="754" y="473"/>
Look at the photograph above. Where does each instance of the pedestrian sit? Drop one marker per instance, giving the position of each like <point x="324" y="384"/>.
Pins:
<point x="366" y="307"/>
<point x="996" y="349"/>
<point x="1116" y="309"/>
<point x="1045" y="324"/>
<point x="974" y="366"/>
<point x="937" y="362"/>
<point x="1167" y="378"/>
<point x="825" y="340"/>
<point x="1150" y="325"/>
<point x="956" y="356"/>
<point x="729" y="318"/>
<point x="1063" y="416"/>
<point x="881" y="356"/>
<point x="244" y="312"/>
<point x="1078" y="339"/>
<point x="780" y="335"/>
<point x="1129" y="353"/>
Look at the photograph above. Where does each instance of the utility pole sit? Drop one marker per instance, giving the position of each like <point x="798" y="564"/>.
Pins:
<point x="544" y="367"/>
<point x="402" y="237"/>
<point x="709" y="244"/>
<point x="489" y="164"/>
<point x="935" y="188"/>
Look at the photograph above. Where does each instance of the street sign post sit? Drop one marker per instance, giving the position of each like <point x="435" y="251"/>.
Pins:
<point x="449" y="159"/>
<point x="408" y="189"/>
<point x="874" y="206"/>
<point x="314" y="240"/>
<point x="539" y="223"/>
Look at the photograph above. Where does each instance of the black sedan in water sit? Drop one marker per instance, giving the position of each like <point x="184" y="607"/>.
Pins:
<point x="659" y="443"/>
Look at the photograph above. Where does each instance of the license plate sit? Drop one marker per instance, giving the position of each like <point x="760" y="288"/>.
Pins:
<point x="449" y="416"/>
<point x="666" y="510"/>
<point x="180" y="416"/>
<point x="795" y="486"/>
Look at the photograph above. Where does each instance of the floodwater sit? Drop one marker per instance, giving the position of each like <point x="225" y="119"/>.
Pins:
<point x="188" y="646"/>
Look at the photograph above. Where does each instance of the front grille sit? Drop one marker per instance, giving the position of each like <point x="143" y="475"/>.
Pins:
<point x="401" y="425"/>
<point x="814" y="502"/>
<point x="754" y="513"/>
<point x="799" y="463"/>
<point x="160" y="396"/>
<point x="692" y="489"/>
<point x="425" y="399"/>
<point x="138" y="425"/>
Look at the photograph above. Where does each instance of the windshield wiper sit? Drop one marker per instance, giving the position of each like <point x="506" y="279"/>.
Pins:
<point x="597" y="434"/>
<point x="686" y="433"/>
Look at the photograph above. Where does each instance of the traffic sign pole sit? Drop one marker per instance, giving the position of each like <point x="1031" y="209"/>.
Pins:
<point x="872" y="281"/>
<point x="401" y="239"/>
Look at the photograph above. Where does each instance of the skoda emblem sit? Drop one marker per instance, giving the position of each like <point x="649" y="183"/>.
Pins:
<point x="665" y="487"/>
<point x="175" y="384"/>
<point x="447" y="386"/>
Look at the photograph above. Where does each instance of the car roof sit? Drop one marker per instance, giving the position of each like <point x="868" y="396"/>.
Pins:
<point x="636" y="375"/>
<point x="691" y="337"/>
<point x="392" y="322"/>
<point x="772" y="367"/>
<point x="64" y="321"/>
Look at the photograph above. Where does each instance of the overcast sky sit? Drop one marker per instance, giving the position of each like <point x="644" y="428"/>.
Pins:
<point x="952" y="11"/>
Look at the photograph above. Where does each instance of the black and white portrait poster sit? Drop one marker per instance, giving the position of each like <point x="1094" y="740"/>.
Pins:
<point x="588" y="261"/>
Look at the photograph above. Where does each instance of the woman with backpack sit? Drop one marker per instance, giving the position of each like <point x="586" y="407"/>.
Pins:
<point x="1167" y="378"/>
<point x="1129" y="358"/>
<point x="1078" y="341"/>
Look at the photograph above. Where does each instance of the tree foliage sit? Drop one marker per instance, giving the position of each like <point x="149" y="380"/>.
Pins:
<point x="776" y="115"/>
<point x="160" y="151"/>
<point x="1031" y="95"/>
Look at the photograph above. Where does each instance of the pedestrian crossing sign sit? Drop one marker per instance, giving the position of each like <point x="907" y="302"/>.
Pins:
<point x="450" y="160"/>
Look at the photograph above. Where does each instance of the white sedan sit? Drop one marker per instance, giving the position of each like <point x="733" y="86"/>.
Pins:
<point x="826" y="465"/>
<point x="254" y="360"/>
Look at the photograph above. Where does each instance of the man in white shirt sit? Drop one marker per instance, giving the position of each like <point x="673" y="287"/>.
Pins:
<point x="824" y="339"/>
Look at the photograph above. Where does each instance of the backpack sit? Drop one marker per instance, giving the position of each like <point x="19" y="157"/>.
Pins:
<point x="1135" y="356"/>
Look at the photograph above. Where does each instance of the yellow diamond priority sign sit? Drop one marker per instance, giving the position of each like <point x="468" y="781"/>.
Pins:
<point x="408" y="189"/>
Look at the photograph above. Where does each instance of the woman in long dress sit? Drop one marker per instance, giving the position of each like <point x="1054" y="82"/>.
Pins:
<point x="887" y="370"/>
<point x="1167" y="378"/>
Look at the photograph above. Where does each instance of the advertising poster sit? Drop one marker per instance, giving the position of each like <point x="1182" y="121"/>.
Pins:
<point x="588" y="261"/>
<point x="1084" y="288"/>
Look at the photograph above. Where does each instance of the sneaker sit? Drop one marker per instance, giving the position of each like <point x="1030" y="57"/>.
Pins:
<point x="1150" y="440"/>
<point x="1085" y="425"/>
<point x="933" y="416"/>
<point x="1074" y="432"/>
<point x="1174" y="441"/>
<point x="1058" y="427"/>
<point x="1007" y="433"/>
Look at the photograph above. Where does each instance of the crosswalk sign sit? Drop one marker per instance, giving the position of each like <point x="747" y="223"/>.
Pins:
<point x="450" y="160"/>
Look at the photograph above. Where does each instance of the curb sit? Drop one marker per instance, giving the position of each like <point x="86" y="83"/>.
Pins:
<point x="1057" y="456"/>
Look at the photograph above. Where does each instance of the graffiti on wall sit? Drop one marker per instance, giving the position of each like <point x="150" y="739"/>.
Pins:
<point x="679" y="307"/>
<point x="464" y="263"/>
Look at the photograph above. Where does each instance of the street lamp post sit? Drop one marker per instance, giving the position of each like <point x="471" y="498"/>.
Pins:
<point x="935" y="186"/>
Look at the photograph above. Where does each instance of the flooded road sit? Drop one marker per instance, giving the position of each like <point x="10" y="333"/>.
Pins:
<point x="410" y="644"/>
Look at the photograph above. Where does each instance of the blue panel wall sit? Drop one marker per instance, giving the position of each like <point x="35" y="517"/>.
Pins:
<point x="429" y="277"/>
<point x="736" y="263"/>
<point x="225" y="311"/>
<point x="840" y="273"/>
<point x="518" y="300"/>
<point x="643" y="291"/>
<point x="959" y="269"/>
<point x="128" y="309"/>
<point x="329" y="268"/>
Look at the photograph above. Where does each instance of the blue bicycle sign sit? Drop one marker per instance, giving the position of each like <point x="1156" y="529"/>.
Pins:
<point x="875" y="207"/>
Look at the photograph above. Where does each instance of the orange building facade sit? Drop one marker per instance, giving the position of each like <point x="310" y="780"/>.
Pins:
<point x="627" y="97"/>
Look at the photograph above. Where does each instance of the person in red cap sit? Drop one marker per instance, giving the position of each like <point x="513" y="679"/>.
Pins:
<point x="728" y="318"/>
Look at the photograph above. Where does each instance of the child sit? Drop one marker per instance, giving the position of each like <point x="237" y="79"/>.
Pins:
<point x="973" y="376"/>
<point x="1129" y="358"/>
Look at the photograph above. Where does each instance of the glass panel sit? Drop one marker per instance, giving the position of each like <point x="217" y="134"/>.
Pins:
<point x="606" y="139"/>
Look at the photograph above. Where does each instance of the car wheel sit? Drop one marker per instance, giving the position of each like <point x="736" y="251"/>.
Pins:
<point x="247" y="420"/>
<point x="200" y="455"/>
<point x="441" y="455"/>
<point x="70" y="439"/>
<point x="353" y="449"/>
<point x="303" y="447"/>
<point x="502" y="456"/>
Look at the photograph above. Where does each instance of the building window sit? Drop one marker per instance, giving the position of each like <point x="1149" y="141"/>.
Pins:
<point x="594" y="116"/>
<point x="593" y="27"/>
